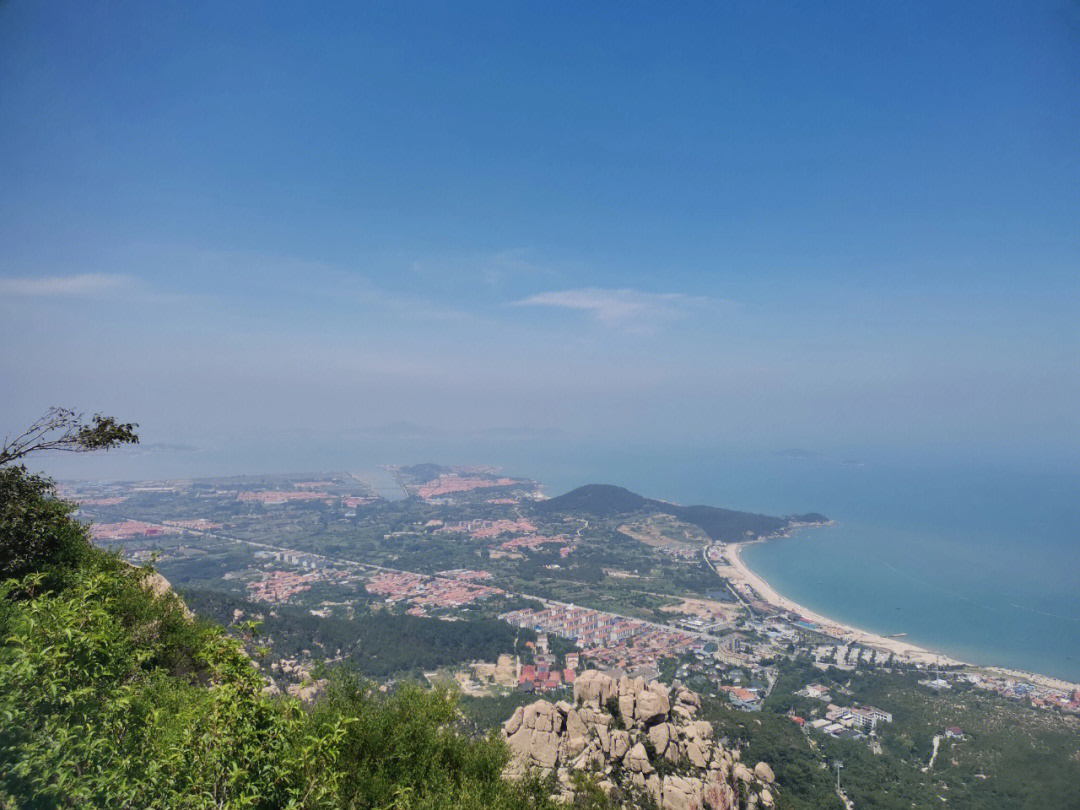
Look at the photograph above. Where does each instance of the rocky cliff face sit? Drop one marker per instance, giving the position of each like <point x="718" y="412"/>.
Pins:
<point x="640" y="739"/>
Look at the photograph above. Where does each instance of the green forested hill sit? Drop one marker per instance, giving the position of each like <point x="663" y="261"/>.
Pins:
<point x="597" y="500"/>
<point x="724" y="525"/>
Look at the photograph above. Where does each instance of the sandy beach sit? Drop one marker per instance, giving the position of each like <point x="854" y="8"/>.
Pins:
<point x="737" y="571"/>
<point x="733" y="568"/>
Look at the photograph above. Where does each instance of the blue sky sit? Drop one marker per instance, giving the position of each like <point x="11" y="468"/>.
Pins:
<point x="769" y="224"/>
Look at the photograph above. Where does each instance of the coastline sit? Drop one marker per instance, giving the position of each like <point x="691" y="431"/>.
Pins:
<point x="740" y="574"/>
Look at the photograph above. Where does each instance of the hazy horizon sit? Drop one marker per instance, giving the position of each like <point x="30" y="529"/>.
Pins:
<point x="850" y="231"/>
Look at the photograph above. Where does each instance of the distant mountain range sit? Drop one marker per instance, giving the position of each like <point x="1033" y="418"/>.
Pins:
<point x="724" y="525"/>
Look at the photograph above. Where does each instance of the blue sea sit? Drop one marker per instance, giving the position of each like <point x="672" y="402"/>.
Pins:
<point x="974" y="558"/>
<point x="979" y="562"/>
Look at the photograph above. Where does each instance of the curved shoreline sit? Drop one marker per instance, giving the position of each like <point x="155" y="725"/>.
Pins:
<point x="846" y="632"/>
<point x="741" y="574"/>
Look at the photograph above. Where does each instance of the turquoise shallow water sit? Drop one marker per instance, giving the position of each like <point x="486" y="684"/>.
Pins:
<point x="978" y="560"/>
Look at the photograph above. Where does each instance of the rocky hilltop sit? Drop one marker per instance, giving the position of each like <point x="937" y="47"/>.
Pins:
<point x="641" y="739"/>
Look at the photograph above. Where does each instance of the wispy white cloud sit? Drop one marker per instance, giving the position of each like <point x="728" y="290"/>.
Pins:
<point x="84" y="284"/>
<point x="624" y="308"/>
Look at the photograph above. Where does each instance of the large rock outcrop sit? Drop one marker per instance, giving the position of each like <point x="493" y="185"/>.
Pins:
<point x="640" y="738"/>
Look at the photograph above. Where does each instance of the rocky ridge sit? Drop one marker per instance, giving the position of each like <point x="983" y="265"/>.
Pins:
<point x="639" y="738"/>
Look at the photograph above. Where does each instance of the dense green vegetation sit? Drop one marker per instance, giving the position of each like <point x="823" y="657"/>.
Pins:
<point x="489" y="713"/>
<point x="724" y="525"/>
<point x="598" y="500"/>
<point x="376" y="644"/>
<point x="1012" y="754"/>
<point x="113" y="697"/>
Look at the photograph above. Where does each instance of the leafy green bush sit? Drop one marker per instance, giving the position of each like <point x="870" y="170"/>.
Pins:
<point x="36" y="531"/>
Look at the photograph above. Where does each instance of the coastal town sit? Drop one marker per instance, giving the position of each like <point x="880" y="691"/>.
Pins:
<point x="732" y="638"/>
<point x="471" y="577"/>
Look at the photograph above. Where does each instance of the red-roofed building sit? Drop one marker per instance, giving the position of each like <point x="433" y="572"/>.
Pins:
<point x="528" y="673"/>
<point x="569" y="675"/>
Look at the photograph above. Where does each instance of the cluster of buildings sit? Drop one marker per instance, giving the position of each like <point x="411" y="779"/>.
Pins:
<point x="645" y="649"/>
<point x="280" y="586"/>
<point x="466" y="574"/>
<point x="272" y="497"/>
<point x="452" y="483"/>
<point x="483" y="529"/>
<point x="543" y="675"/>
<point x="731" y="650"/>
<point x="1038" y="695"/>
<point x="1041" y="697"/>
<point x="853" y="722"/>
<point x="197" y="524"/>
<point x="608" y="640"/>
<point x="127" y="529"/>
<point x="422" y="591"/>
<point x="747" y="699"/>
<point x="535" y="541"/>
<point x="587" y="627"/>
<point x="277" y="586"/>
<point x="298" y="558"/>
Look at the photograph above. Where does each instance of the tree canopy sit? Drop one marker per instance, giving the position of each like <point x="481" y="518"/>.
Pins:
<point x="64" y="430"/>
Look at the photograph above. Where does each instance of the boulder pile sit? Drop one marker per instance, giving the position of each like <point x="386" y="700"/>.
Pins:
<point x="637" y="737"/>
